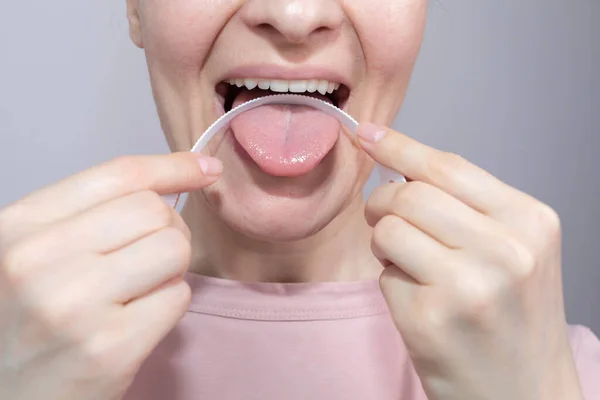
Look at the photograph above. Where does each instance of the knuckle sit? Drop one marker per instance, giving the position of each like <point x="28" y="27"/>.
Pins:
<point x="182" y="297"/>
<point x="58" y="313"/>
<point x="432" y="319"/>
<point x="410" y="191"/>
<point x="380" y="237"/>
<point x="180" y="223"/>
<point x="548" y="221"/>
<point x="419" y="315"/>
<point x="518" y="259"/>
<point x="435" y="319"/>
<point x="386" y="281"/>
<point x="154" y="208"/>
<point x="384" y="228"/>
<point x="476" y="296"/>
<point x="370" y="211"/>
<point x="441" y="165"/>
<point x="126" y="171"/>
<point x="409" y="196"/>
<point x="17" y="262"/>
<point x="178" y="245"/>
<point x="8" y="219"/>
<point x="14" y="221"/>
<point x="124" y="164"/>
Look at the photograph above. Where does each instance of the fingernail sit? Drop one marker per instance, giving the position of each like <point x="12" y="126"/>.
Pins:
<point x="371" y="133"/>
<point x="210" y="166"/>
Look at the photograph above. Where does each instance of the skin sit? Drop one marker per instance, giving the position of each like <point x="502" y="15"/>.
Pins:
<point x="470" y="257"/>
<point x="91" y="277"/>
<point x="313" y="229"/>
<point x="456" y="250"/>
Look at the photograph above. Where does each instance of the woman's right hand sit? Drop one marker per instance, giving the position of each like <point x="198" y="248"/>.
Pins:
<point x="91" y="276"/>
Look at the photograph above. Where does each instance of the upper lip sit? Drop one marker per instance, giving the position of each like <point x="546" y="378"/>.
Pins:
<point x="270" y="71"/>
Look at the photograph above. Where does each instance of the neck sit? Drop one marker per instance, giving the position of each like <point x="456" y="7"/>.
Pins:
<point x="339" y="252"/>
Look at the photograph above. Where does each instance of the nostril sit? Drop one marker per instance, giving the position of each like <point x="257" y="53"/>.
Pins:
<point x="265" y="27"/>
<point x="322" y="29"/>
<point x="296" y="21"/>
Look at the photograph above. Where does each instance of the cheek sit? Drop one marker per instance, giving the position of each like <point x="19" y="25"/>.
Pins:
<point x="180" y="33"/>
<point x="391" y="32"/>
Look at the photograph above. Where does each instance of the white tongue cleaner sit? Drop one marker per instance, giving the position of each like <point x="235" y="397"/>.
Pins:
<point x="386" y="175"/>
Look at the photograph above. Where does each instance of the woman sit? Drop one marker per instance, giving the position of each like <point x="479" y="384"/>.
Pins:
<point x="279" y="282"/>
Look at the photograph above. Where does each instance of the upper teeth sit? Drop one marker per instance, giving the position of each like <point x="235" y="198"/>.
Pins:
<point x="283" y="86"/>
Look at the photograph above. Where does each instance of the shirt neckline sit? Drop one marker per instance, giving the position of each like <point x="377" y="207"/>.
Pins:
<point x="267" y="301"/>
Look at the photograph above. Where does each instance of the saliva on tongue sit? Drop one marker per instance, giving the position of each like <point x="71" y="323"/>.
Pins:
<point x="284" y="140"/>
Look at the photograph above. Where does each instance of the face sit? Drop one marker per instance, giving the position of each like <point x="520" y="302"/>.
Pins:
<point x="289" y="170"/>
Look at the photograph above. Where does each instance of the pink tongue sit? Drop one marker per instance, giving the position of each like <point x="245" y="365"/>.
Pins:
<point x="284" y="140"/>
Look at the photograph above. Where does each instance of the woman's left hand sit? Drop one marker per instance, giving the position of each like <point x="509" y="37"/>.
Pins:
<point x="473" y="277"/>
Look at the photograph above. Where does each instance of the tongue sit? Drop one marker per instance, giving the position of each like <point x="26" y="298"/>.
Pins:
<point x="284" y="140"/>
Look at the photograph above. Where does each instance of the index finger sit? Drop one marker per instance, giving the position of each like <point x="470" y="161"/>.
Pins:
<point x="164" y="174"/>
<point x="453" y="174"/>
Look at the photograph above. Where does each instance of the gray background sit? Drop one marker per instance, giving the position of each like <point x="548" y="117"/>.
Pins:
<point x="512" y="85"/>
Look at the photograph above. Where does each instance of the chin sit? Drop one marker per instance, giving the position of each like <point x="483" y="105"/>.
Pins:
<point x="268" y="217"/>
<point x="284" y="209"/>
<point x="274" y="221"/>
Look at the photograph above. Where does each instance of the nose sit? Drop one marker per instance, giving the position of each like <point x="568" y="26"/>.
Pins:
<point x="295" y="21"/>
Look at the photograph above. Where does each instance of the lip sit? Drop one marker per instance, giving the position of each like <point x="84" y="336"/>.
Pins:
<point x="277" y="72"/>
<point x="270" y="71"/>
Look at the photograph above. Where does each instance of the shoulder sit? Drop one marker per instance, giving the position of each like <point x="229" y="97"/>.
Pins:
<point x="586" y="350"/>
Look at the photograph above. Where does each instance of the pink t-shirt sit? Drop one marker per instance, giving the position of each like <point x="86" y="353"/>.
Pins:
<point x="267" y="341"/>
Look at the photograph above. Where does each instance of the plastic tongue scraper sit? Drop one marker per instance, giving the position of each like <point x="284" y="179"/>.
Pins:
<point x="386" y="175"/>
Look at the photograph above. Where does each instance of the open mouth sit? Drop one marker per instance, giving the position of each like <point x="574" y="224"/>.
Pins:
<point x="284" y="140"/>
<point x="228" y="91"/>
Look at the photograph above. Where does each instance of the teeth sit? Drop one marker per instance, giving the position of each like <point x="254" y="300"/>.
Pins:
<point x="331" y="87"/>
<point x="283" y="86"/>
<point x="264" y="85"/>
<point x="280" y="86"/>
<point x="250" y="83"/>
<point x="298" y="86"/>
<point x="322" y="87"/>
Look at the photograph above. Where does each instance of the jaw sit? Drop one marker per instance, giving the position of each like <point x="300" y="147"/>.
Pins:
<point x="321" y="246"/>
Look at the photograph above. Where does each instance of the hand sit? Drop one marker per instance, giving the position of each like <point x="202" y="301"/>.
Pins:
<point x="91" y="277"/>
<point x="473" y="277"/>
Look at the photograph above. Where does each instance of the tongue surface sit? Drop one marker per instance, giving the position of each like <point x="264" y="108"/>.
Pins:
<point x="284" y="140"/>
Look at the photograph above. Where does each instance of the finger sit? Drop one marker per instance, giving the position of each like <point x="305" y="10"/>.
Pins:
<point x="141" y="267"/>
<point x="449" y="172"/>
<point x="433" y="211"/>
<point x="413" y="251"/>
<point x="153" y="316"/>
<point x="163" y="174"/>
<point x="112" y="225"/>
<point x="410" y="305"/>
<point x="398" y="289"/>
